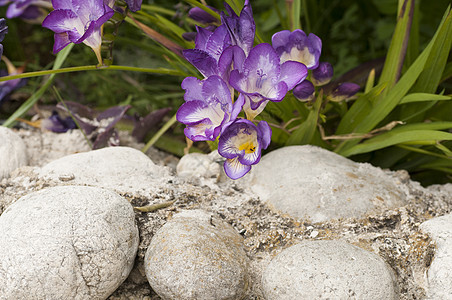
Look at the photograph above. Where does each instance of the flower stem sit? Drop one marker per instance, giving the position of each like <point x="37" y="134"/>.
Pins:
<point x="93" y="67"/>
<point x="159" y="133"/>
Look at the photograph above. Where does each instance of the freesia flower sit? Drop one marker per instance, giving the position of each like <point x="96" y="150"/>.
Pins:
<point x="241" y="29"/>
<point x="201" y="16"/>
<point x="3" y="32"/>
<point x="344" y="91"/>
<point x="322" y="74"/>
<point x="77" y="21"/>
<point x="209" y="47"/>
<point x="134" y="5"/>
<point x="208" y="108"/>
<point x="25" y="9"/>
<point x="264" y="79"/>
<point x="297" y="46"/>
<point x="57" y="124"/>
<point x="241" y="144"/>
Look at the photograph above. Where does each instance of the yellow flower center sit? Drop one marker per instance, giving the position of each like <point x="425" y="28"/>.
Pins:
<point x="248" y="147"/>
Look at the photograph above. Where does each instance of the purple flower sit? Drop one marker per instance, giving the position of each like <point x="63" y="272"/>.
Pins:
<point x="297" y="46"/>
<point x="304" y="91"/>
<point x="344" y="91"/>
<point x="241" y="29"/>
<point x="241" y="144"/>
<point x="77" y="21"/>
<point x="322" y="74"/>
<point x="208" y="50"/>
<point x="57" y="124"/>
<point x="3" y="32"/>
<point x="208" y="107"/>
<point x="264" y="79"/>
<point x="134" y="5"/>
<point x="201" y="16"/>
<point x="26" y="9"/>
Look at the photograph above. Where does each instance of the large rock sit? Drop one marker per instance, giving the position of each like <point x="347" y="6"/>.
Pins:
<point x="327" y="270"/>
<point x="123" y="169"/>
<point x="66" y="243"/>
<point x="13" y="153"/>
<point x="311" y="182"/>
<point x="198" y="256"/>
<point x="439" y="275"/>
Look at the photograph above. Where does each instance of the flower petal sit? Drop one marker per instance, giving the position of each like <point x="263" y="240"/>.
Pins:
<point x="193" y="88"/>
<point x="61" y="20"/>
<point x="292" y="73"/>
<point x="202" y="61"/>
<point x="234" y="169"/>
<point x="61" y="41"/>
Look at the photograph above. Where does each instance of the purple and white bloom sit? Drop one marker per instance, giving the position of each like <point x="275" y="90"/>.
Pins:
<point x="57" y="124"/>
<point x="322" y="74"/>
<point x="344" y="91"/>
<point x="297" y="46"/>
<point x="208" y="108"/>
<point x="304" y="91"/>
<point x="241" y="144"/>
<point x="264" y="79"/>
<point x="208" y="50"/>
<point x="241" y="28"/>
<point x="25" y="9"/>
<point x="78" y="21"/>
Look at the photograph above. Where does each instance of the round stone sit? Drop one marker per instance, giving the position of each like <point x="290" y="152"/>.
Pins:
<point x="439" y="275"/>
<point x="123" y="169"/>
<point x="13" y="153"/>
<point x="68" y="242"/>
<point x="327" y="270"/>
<point x="196" y="255"/>
<point x="311" y="182"/>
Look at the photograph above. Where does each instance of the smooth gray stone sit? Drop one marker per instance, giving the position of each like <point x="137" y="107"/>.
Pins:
<point x="314" y="183"/>
<point x="67" y="242"/>
<point x="327" y="270"/>
<point x="197" y="256"/>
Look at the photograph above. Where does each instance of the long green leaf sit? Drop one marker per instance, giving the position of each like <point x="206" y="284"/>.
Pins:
<point x="397" y="50"/>
<point x="384" y="105"/>
<point x="418" y="97"/>
<point x="304" y="134"/>
<point x="23" y="109"/>
<point x="394" y="138"/>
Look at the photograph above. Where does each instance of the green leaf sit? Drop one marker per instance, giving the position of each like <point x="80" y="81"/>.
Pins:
<point x="418" y="97"/>
<point x="397" y="50"/>
<point x="304" y="134"/>
<point x="393" y="138"/>
<point x="23" y="109"/>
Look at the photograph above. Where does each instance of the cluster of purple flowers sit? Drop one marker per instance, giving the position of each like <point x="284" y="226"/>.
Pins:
<point x="229" y="62"/>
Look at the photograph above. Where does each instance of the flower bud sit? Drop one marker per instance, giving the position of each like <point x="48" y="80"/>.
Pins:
<point x="322" y="74"/>
<point x="344" y="91"/>
<point x="201" y="16"/>
<point x="304" y="91"/>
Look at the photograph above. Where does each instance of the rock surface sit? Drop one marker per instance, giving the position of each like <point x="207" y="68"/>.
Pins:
<point x="199" y="165"/>
<point x="66" y="243"/>
<point x="13" y="153"/>
<point x="310" y="182"/>
<point x="327" y="270"/>
<point x="439" y="276"/>
<point x="196" y="255"/>
<point x="122" y="169"/>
